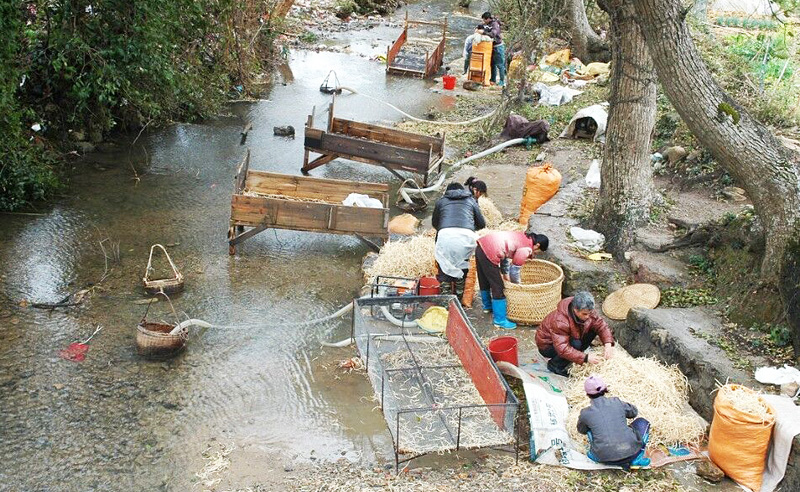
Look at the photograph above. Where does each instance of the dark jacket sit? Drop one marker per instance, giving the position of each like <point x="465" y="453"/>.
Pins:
<point x="612" y="438"/>
<point x="559" y="327"/>
<point x="457" y="208"/>
<point x="494" y="31"/>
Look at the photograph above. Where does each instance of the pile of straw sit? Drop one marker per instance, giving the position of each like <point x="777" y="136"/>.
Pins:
<point x="490" y="213"/>
<point x="747" y="401"/>
<point x="659" y="392"/>
<point x="248" y="192"/>
<point x="410" y="258"/>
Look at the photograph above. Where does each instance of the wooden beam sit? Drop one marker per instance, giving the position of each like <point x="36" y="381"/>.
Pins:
<point x="319" y="161"/>
<point x="247" y="235"/>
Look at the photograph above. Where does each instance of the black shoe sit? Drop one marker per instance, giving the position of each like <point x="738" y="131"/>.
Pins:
<point x="561" y="371"/>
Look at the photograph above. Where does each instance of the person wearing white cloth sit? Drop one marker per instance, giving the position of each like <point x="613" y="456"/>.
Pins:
<point x="456" y="217"/>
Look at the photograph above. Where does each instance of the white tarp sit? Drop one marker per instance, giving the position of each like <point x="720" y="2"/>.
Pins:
<point x="554" y="95"/>
<point x="596" y="112"/>
<point x="359" y="200"/>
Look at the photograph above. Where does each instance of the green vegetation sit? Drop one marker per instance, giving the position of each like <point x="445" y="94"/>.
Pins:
<point x="684" y="298"/>
<point x="746" y="23"/>
<point x="91" y="69"/>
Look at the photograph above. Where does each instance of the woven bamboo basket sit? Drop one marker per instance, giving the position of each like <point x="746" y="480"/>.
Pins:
<point x="537" y="294"/>
<point x="165" y="285"/>
<point x="154" y="341"/>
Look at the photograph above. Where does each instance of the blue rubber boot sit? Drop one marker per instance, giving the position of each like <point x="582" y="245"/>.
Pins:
<point x="486" y="299"/>
<point x="499" y="309"/>
<point x="641" y="460"/>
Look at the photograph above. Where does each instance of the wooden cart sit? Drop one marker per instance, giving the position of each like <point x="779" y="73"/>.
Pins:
<point x="263" y="200"/>
<point x="393" y="149"/>
<point x="416" y="64"/>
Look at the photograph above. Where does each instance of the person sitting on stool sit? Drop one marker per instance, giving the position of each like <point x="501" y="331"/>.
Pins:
<point x="605" y="422"/>
<point x="566" y="333"/>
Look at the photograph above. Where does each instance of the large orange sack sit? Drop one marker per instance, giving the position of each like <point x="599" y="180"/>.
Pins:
<point x="738" y="441"/>
<point x="541" y="184"/>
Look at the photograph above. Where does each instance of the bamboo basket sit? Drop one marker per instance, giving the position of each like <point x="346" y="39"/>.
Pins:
<point x="538" y="293"/>
<point x="154" y="340"/>
<point x="166" y="285"/>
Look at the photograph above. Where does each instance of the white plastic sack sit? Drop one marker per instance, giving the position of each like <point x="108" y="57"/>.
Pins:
<point x="554" y="95"/>
<point x="359" y="200"/>
<point x="593" y="176"/>
<point x="778" y="375"/>
<point x="587" y="239"/>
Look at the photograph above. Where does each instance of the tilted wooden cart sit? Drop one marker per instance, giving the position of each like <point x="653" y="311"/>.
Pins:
<point x="393" y="149"/>
<point x="263" y="200"/>
<point x="401" y="59"/>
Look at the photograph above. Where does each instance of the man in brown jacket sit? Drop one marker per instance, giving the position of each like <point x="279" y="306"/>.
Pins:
<point x="568" y="331"/>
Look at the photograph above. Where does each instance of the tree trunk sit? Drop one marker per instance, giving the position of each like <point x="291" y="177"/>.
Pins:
<point x="586" y="44"/>
<point x="626" y="190"/>
<point x="746" y="149"/>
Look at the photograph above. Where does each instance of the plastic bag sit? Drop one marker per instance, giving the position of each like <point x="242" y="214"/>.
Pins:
<point x="541" y="184"/>
<point x="738" y="442"/>
<point x="359" y="200"/>
<point x="587" y="239"/>
<point x="593" y="176"/>
<point x="405" y="224"/>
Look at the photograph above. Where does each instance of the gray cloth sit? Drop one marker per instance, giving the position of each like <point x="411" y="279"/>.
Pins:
<point x="454" y="247"/>
<point x="457" y="208"/>
<point x="607" y="419"/>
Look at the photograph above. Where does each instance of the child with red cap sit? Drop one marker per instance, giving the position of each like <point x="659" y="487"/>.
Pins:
<point x="605" y="422"/>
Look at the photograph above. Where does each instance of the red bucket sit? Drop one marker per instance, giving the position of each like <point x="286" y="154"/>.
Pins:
<point x="449" y="82"/>
<point x="428" y="286"/>
<point x="504" y="349"/>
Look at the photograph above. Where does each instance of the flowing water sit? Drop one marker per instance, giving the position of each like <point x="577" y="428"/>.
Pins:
<point x="261" y="383"/>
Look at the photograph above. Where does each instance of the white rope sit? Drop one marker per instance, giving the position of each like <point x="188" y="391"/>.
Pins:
<point x="448" y="123"/>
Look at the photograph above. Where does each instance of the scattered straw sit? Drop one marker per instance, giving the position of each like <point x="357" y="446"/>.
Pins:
<point x="490" y="213"/>
<point x="747" y="401"/>
<point x="412" y="258"/>
<point x="216" y="462"/>
<point x="659" y="392"/>
<point x="283" y="197"/>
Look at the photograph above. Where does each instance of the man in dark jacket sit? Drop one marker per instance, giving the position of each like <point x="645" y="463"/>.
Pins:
<point x="567" y="332"/>
<point x="605" y="422"/>
<point x="492" y="28"/>
<point x="456" y="217"/>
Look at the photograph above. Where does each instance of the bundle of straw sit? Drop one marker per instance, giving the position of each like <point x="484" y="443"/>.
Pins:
<point x="411" y="258"/>
<point x="490" y="213"/>
<point x="659" y="392"/>
<point x="747" y="401"/>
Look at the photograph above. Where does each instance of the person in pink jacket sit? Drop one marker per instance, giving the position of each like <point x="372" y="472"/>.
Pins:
<point x="489" y="255"/>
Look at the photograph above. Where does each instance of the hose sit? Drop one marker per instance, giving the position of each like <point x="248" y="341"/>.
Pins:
<point x="411" y="338"/>
<point x="404" y="192"/>
<point x="397" y="322"/>
<point x="448" y="123"/>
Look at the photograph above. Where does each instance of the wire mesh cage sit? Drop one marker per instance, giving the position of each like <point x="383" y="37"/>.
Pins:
<point x="438" y="394"/>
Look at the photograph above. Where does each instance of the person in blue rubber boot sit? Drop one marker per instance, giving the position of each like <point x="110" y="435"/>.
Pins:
<point x="605" y="422"/>
<point x="489" y="255"/>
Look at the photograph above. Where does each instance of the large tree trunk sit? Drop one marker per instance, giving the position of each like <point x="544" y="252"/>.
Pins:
<point x="626" y="190"/>
<point x="586" y="44"/>
<point x="745" y="148"/>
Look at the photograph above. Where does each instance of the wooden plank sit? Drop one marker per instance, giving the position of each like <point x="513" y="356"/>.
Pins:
<point x="307" y="216"/>
<point x="241" y="174"/>
<point x="333" y="190"/>
<point x="396" y="47"/>
<point x="427" y="23"/>
<point x="398" y="157"/>
<point x="383" y="134"/>
<point x="246" y="235"/>
<point x="319" y="161"/>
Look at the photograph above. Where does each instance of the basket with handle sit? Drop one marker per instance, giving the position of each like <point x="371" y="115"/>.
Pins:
<point x="155" y="340"/>
<point x="166" y="285"/>
<point x="537" y="294"/>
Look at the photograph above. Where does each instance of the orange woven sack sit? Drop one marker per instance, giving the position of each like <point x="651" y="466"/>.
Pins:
<point x="469" y="284"/>
<point x="738" y="441"/>
<point x="541" y="184"/>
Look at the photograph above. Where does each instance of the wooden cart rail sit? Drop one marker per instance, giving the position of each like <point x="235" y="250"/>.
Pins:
<point x="303" y="204"/>
<point x="424" y="67"/>
<point x="395" y="150"/>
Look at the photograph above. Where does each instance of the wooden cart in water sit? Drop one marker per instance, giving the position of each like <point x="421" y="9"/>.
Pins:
<point x="401" y="59"/>
<point x="263" y="200"/>
<point x="393" y="149"/>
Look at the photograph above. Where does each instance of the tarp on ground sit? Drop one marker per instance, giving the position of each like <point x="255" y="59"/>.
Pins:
<point x="519" y="127"/>
<point x="598" y="114"/>
<point x="554" y="95"/>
